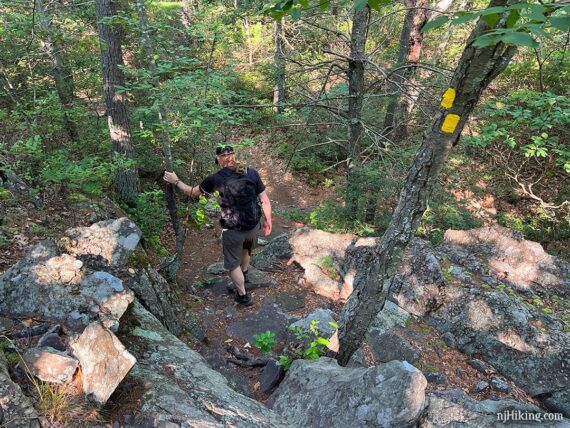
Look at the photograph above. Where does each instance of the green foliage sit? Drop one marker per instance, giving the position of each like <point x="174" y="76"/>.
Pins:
<point x="326" y="263"/>
<point x="149" y="213"/>
<point x="285" y="362"/>
<point x="535" y="124"/>
<point x="265" y="341"/>
<point x="317" y="347"/>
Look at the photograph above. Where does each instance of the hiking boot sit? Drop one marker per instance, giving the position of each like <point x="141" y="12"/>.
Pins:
<point x="243" y="300"/>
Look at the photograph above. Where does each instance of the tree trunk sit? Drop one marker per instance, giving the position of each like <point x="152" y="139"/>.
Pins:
<point x="164" y="139"/>
<point x="279" y="91"/>
<point x="355" y="76"/>
<point x="476" y="69"/>
<point x="185" y="13"/>
<point x="62" y="74"/>
<point x="116" y="103"/>
<point x="409" y="51"/>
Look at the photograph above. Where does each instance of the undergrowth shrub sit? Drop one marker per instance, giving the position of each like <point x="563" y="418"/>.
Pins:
<point x="149" y="212"/>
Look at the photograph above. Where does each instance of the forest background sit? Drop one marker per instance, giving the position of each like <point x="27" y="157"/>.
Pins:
<point x="99" y="97"/>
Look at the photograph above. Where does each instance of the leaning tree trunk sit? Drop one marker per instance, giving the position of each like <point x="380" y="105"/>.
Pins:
<point x="279" y="91"/>
<point x="355" y="76"/>
<point x="476" y="69"/>
<point x="62" y="74"/>
<point x="116" y="103"/>
<point x="173" y="264"/>
<point x="409" y="51"/>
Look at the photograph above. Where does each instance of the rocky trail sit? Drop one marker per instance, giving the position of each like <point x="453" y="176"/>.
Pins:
<point x="474" y="330"/>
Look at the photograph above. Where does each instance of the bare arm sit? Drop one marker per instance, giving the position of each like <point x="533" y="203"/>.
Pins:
<point x="193" y="192"/>
<point x="266" y="207"/>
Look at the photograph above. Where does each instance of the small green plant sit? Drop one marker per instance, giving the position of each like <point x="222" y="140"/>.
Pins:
<point x="326" y="263"/>
<point x="149" y="213"/>
<point x="501" y="287"/>
<point x="265" y="341"/>
<point x="285" y="362"/>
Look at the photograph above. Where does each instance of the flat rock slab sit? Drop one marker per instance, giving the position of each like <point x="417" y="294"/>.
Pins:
<point x="50" y="365"/>
<point x="454" y="408"/>
<point x="269" y="317"/>
<point x="256" y="280"/>
<point x="104" y="361"/>
<point x="270" y="257"/>
<point x="290" y="302"/>
<point x="390" y="395"/>
<point x="271" y="376"/>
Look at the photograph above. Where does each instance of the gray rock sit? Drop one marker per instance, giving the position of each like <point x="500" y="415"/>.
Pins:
<point x="389" y="346"/>
<point x="454" y="408"/>
<point x="5" y="324"/>
<point x="449" y="339"/>
<point x="418" y="286"/>
<point x="435" y="378"/>
<point x="105" y="244"/>
<point x="52" y="340"/>
<point x="256" y="280"/>
<point x="499" y="384"/>
<point x="481" y="366"/>
<point x="268" y="317"/>
<point x="558" y="402"/>
<point x="17" y="411"/>
<point x="270" y="257"/>
<point x="503" y="254"/>
<point x="48" y="284"/>
<point x="104" y="361"/>
<point x="480" y="387"/>
<point x="271" y="376"/>
<point x="50" y="365"/>
<point x="390" y="395"/>
<point x="321" y="318"/>
<point x="289" y="302"/>
<point x="156" y="294"/>
<point x="180" y="387"/>
<point x="216" y="269"/>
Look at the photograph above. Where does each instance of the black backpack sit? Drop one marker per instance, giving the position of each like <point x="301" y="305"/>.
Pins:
<point x="239" y="203"/>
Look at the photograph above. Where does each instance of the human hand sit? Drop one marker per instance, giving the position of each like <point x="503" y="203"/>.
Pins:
<point x="170" y="177"/>
<point x="266" y="228"/>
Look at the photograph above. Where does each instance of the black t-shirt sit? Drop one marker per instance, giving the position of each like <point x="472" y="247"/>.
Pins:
<point x="215" y="182"/>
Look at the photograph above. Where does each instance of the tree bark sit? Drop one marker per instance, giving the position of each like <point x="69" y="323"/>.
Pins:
<point x="279" y="91"/>
<point x="409" y="51"/>
<point x="355" y="75"/>
<point x="476" y="69"/>
<point x="62" y="74"/>
<point x="163" y="137"/>
<point x="185" y="13"/>
<point x="116" y="103"/>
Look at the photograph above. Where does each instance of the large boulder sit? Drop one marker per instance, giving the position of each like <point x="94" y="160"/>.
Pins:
<point x="157" y="296"/>
<point x="454" y="408"/>
<point x="321" y="255"/>
<point x="47" y="283"/>
<point x="178" y="388"/>
<point x="106" y="244"/>
<point x="16" y="410"/>
<point x="321" y="393"/>
<point x="504" y="255"/>
<point x="469" y="301"/>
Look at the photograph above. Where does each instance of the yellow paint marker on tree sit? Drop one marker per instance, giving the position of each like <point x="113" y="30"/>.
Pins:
<point x="448" y="98"/>
<point x="450" y="123"/>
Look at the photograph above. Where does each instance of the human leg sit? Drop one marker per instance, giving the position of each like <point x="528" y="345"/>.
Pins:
<point x="238" y="279"/>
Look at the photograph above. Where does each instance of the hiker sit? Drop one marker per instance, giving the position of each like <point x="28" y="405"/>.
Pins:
<point x="241" y="190"/>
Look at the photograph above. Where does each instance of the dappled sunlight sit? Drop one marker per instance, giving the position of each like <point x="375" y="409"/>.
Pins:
<point x="481" y="316"/>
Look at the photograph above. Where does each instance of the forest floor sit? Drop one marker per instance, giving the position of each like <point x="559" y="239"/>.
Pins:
<point x="227" y="323"/>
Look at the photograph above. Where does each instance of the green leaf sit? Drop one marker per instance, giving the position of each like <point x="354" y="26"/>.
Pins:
<point x="304" y="3"/>
<point x="359" y="4"/>
<point x="561" y="23"/>
<point x="375" y="4"/>
<point x="324" y="4"/>
<point x="463" y="17"/>
<point x="435" y="23"/>
<point x="512" y="19"/>
<point x="519" y="39"/>
<point x="491" y="19"/>
<point x="323" y="341"/>
<point x="295" y="14"/>
<point x="487" y="40"/>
